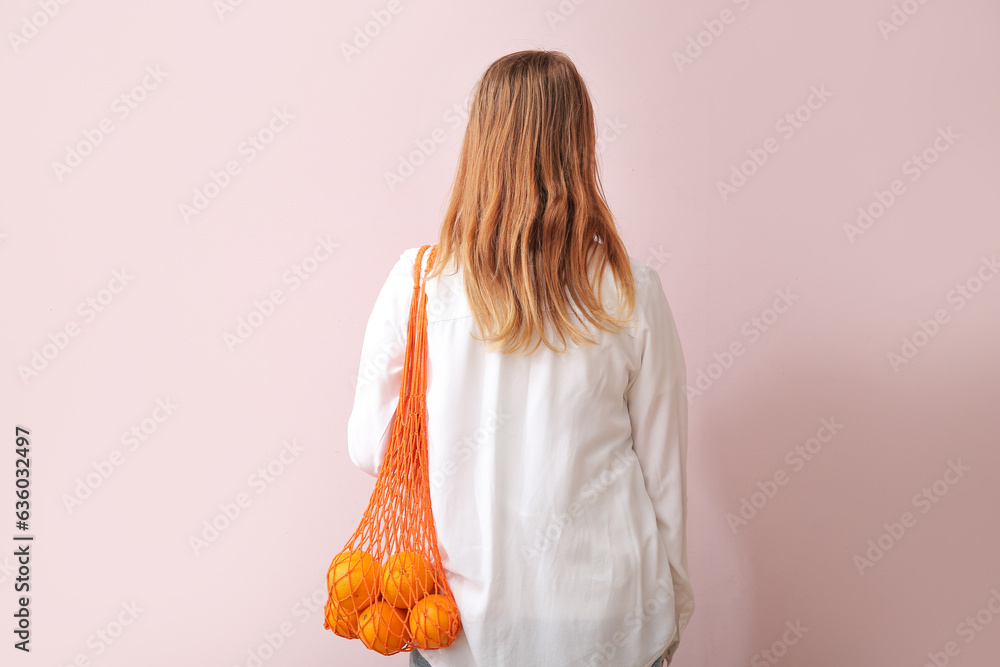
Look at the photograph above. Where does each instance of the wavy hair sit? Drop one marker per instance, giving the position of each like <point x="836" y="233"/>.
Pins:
<point x="527" y="219"/>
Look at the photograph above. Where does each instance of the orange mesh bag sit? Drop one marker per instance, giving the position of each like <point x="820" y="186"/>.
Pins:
<point x="387" y="586"/>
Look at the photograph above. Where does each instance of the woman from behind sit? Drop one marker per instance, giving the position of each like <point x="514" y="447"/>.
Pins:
<point x="556" y="395"/>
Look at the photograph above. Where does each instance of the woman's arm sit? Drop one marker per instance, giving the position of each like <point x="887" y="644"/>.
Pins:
<point x="657" y="404"/>
<point x="381" y="369"/>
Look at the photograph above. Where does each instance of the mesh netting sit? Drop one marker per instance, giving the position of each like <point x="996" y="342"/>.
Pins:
<point x="387" y="586"/>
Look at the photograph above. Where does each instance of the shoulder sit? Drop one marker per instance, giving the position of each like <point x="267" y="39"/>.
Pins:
<point x="649" y="295"/>
<point x="651" y="304"/>
<point x="647" y="280"/>
<point x="401" y="278"/>
<point x="407" y="259"/>
<point x="401" y="272"/>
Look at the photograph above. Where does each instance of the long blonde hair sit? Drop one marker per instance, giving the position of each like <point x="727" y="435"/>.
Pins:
<point x="527" y="215"/>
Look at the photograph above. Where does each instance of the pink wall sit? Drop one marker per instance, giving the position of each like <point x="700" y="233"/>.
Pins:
<point x="159" y="100"/>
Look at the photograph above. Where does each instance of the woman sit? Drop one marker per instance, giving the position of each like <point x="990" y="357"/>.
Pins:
<point x="557" y="471"/>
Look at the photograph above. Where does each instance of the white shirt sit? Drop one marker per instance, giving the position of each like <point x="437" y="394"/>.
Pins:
<point x="558" y="480"/>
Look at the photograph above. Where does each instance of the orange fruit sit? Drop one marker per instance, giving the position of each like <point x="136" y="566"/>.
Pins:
<point x="382" y="628"/>
<point x="353" y="580"/>
<point x="430" y="622"/>
<point x="406" y="577"/>
<point x="342" y="622"/>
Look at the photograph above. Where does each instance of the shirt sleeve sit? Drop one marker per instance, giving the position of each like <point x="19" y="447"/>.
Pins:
<point x="657" y="405"/>
<point x="380" y="373"/>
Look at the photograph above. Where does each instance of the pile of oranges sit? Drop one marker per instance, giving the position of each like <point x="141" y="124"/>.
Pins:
<point x="388" y="606"/>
